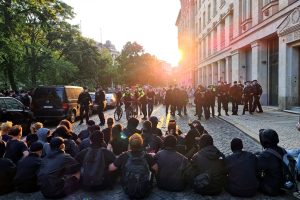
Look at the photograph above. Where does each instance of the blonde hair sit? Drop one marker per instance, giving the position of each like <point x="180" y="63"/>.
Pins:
<point x="136" y="142"/>
<point x="35" y="127"/>
<point x="5" y="127"/>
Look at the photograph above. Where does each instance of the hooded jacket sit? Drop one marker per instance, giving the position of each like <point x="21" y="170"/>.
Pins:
<point x="269" y="166"/>
<point x="211" y="161"/>
<point x="42" y="136"/>
<point x="132" y="127"/>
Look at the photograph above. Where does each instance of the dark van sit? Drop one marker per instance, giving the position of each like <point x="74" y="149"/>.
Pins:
<point x="56" y="102"/>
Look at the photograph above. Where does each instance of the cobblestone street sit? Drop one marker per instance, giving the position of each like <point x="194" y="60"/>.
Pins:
<point x="221" y="131"/>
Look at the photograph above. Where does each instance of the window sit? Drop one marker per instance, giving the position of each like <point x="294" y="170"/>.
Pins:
<point x="215" y="40"/>
<point x="215" y="7"/>
<point x="209" y="44"/>
<point x="204" y="21"/>
<point x="222" y="42"/>
<point x="246" y="9"/>
<point x="2" y="104"/>
<point x="200" y="25"/>
<point x="12" y="104"/>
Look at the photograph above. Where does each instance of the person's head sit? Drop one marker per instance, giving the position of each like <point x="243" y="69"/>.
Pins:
<point x="62" y="131"/>
<point x="66" y="123"/>
<point x="85" y="89"/>
<point x="133" y="123"/>
<point x="154" y="120"/>
<point x="248" y="83"/>
<point x="2" y="148"/>
<point x="205" y="140"/>
<point x="116" y="132"/>
<point x="197" y="125"/>
<point x="236" y="144"/>
<point x="5" y="127"/>
<point x="57" y="143"/>
<point x="110" y="122"/>
<point x="99" y="88"/>
<point x="147" y="126"/>
<point x="170" y="141"/>
<point x="43" y="134"/>
<point x="97" y="138"/>
<point x="136" y="142"/>
<point x="172" y="127"/>
<point x="35" y="127"/>
<point x="93" y="128"/>
<point x="254" y="82"/>
<point x="37" y="148"/>
<point x="16" y="131"/>
<point x="268" y="138"/>
<point x="90" y="123"/>
<point x="235" y="83"/>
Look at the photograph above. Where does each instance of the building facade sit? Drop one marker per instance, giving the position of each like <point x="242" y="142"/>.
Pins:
<point x="241" y="40"/>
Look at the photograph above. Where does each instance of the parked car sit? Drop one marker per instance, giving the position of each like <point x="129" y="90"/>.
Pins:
<point x="56" y="102"/>
<point x="13" y="110"/>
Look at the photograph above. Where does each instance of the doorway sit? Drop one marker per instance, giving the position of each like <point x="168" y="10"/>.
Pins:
<point x="273" y="47"/>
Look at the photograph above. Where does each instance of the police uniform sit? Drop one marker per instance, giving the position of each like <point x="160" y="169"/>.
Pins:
<point x="248" y="97"/>
<point x="257" y="91"/>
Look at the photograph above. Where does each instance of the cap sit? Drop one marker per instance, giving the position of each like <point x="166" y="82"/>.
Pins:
<point x="36" y="146"/>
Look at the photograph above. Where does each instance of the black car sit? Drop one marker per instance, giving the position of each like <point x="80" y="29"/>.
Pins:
<point x="13" y="110"/>
<point x="56" y="102"/>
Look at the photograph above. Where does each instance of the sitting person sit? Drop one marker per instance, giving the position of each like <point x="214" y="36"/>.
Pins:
<point x="15" y="148"/>
<point x="152" y="143"/>
<point x="171" y="166"/>
<point x="242" y="171"/>
<point x="209" y="168"/>
<point x="94" y="163"/>
<point x="136" y="183"/>
<point x="173" y="130"/>
<point x="118" y="144"/>
<point x="7" y="172"/>
<point x="59" y="172"/>
<point x="26" y="177"/>
<point x="108" y="131"/>
<point x="87" y="142"/>
<point x="131" y="128"/>
<point x="43" y="135"/>
<point x="156" y="131"/>
<point x="35" y="127"/>
<point x="69" y="126"/>
<point x="70" y="146"/>
<point x="4" y="130"/>
<point x="85" y="133"/>
<point x="269" y="166"/>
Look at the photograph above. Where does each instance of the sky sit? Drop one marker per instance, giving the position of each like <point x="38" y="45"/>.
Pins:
<point x="151" y="23"/>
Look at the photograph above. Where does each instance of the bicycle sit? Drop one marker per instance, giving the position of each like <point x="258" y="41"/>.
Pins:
<point x="132" y="111"/>
<point x="118" y="112"/>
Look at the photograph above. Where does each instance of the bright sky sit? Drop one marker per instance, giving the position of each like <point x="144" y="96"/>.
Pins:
<point x="150" y="23"/>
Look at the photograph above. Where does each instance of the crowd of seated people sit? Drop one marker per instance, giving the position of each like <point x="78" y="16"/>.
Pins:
<point x="60" y="162"/>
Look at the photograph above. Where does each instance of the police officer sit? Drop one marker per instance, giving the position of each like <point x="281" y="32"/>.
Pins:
<point x="234" y="93"/>
<point x="248" y="97"/>
<point x="257" y="91"/>
<point x="185" y="100"/>
<point x="150" y="97"/>
<point x="210" y="102"/>
<point x="175" y="95"/>
<point x="100" y="101"/>
<point x="222" y="94"/>
<point x="84" y="101"/>
<point x="168" y="99"/>
<point x="200" y="101"/>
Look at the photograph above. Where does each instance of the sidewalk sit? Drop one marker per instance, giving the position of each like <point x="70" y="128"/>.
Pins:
<point x="282" y="122"/>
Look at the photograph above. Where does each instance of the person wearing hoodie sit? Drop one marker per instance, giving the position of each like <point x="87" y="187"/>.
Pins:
<point x="269" y="166"/>
<point x="154" y="120"/>
<point x="59" y="172"/>
<point x="43" y="134"/>
<point x="209" y="168"/>
<point x="131" y="128"/>
<point x="152" y="143"/>
<point x="242" y="171"/>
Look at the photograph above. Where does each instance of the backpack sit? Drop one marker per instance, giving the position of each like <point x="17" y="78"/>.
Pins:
<point x="136" y="178"/>
<point x="93" y="168"/>
<point x="288" y="170"/>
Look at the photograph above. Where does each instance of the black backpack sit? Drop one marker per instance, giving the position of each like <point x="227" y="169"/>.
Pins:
<point x="136" y="178"/>
<point x="288" y="170"/>
<point x="93" y="168"/>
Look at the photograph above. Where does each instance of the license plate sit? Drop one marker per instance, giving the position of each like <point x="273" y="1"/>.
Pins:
<point x="48" y="106"/>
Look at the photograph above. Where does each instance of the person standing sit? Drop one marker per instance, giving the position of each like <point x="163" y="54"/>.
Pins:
<point x="100" y="101"/>
<point x="168" y="99"/>
<point x="234" y="93"/>
<point x="84" y="101"/>
<point x="257" y="91"/>
<point x="185" y="100"/>
<point x="248" y="97"/>
<point x="222" y="98"/>
<point x="199" y="100"/>
<point x="150" y="97"/>
<point x="210" y="102"/>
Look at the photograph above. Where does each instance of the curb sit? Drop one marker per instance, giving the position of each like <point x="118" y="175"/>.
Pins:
<point x="246" y="131"/>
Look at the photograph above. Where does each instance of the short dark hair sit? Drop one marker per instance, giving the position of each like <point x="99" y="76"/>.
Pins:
<point x="97" y="137"/>
<point x="110" y="121"/>
<point x="170" y="141"/>
<point x="36" y="146"/>
<point x="236" y="144"/>
<point x="206" y="140"/>
<point x="93" y="128"/>
<point x="16" y="130"/>
<point x="56" y="142"/>
<point x="90" y="122"/>
<point x="147" y="125"/>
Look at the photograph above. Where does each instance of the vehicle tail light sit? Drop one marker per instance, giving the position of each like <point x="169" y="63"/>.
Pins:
<point x="65" y="106"/>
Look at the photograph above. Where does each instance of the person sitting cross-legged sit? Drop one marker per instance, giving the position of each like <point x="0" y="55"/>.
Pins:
<point x="26" y="177"/>
<point x="172" y="166"/>
<point x="94" y="163"/>
<point x="242" y="171"/>
<point x="136" y="166"/>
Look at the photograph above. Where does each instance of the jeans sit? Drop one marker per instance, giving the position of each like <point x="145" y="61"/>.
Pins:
<point x="296" y="154"/>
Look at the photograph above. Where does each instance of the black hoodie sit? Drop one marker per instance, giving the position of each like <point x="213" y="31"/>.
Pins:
<point x="210" y="160"/>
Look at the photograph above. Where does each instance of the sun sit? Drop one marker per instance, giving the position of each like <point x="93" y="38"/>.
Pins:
<point x="176" y="58"/>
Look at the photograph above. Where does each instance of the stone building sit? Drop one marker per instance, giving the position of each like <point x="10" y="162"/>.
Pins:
<point x="240" y="40"/>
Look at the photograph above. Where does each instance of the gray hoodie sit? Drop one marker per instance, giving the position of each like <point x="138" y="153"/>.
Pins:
<point x="42" y="134"/>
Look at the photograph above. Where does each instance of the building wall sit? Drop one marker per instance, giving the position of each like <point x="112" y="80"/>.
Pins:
<point x="233" y="41"/>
